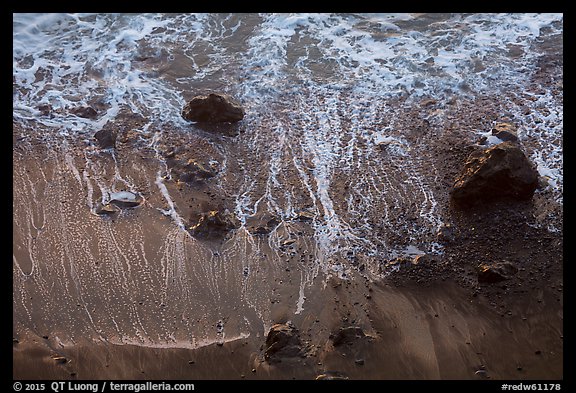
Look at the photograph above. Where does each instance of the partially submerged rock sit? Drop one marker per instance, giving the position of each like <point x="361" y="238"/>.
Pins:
<point x="213" y="108"/>
<point x="500" y="171"/>
<point x="496" y="272"/>
<point x="283" y="341"/>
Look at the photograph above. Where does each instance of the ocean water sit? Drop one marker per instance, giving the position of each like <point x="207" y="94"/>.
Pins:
<point x="330" y="102"/>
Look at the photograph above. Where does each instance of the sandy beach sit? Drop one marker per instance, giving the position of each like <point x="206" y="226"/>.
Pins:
<point x="132" y="296"/>
<point x="368" y="197"/>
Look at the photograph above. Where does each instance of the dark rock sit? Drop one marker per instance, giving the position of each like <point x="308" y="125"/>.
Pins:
<point x="263" y="225"/>
<point x="505" y="132"/>
<point x="190" y="171"/>
<point x="446" y="233"/>
<point x="213" y="108"/>
<point x="106" y="138"/>
<point x="125" y="199"/>
<point x="404" y="262"/>
<point x="283" y="341"/>
<point x="86" y="112"/>
<point x="496" y="272"/>
<point x="45" y="109"/>
<point x="359" y="362"/>
<point x="347" y="335"/>
<point x="500" y="171"/>
<point x="212" y="224"/>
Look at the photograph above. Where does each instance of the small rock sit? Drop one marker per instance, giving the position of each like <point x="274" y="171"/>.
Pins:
<point x="212" y="224"/>
<point x="359" y="362"/>
<point x="446" y="233"/>
<point x="505" y="132"/>
<point x="86" y="112"/>
<point x="500" y="271"/>
<point x="332" y="376"/>
<point x="106" y="138"/>
<point x="429" y="102"/>
<point x="106" y="209"/>
<point x="59" y="359"/>
<point x="190" y="171"/>
<point x="125" y="199"/>
<point x="347" y="335"/>
<point x="305" y="215"/>
<point x="45" y="109"/>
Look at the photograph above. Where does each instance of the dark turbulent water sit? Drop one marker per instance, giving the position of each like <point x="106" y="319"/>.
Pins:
<point x="329" y="129"/>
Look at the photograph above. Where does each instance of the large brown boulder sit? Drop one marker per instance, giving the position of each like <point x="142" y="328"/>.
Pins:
<point x="213" y="108"/>
<point x="500" y="171"/>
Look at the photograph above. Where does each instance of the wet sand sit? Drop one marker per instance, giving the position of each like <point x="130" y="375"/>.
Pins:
<point x="133" y="296"/>
<point x="436" y="332"/>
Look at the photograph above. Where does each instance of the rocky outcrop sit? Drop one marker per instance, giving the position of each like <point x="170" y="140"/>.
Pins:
<point x="500" y="171"/>
<point x="213" y="108"/>
<point x="496" y="272"/>
<point x="212" y="224"/>
<point x="283" y="341"/>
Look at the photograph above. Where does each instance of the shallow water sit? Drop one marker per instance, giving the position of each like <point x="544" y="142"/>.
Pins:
<point x="335" y="125"/>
